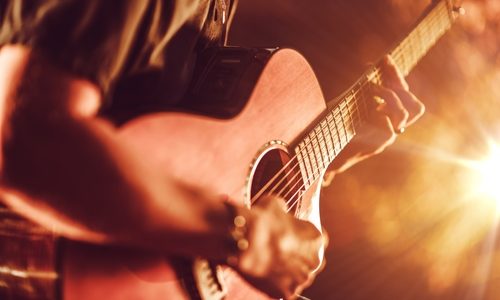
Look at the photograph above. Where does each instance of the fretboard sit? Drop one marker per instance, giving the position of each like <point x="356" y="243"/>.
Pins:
<point x="332" y="133"/>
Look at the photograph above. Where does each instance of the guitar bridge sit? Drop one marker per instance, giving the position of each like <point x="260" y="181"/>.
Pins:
<point x="208" y="279"/>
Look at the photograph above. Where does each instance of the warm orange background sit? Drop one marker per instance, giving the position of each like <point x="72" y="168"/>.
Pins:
<point x="408" y="223"/>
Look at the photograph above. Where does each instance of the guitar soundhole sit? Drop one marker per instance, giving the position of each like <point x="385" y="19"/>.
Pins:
<point x="275" y="176"/>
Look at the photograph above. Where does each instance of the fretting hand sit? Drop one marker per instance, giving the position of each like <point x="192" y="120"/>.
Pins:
<point x="398" y="110"/>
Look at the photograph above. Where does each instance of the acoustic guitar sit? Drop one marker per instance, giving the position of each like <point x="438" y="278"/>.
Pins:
<point x="274" y="133"/>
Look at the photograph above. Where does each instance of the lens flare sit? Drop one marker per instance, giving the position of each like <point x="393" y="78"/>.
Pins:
<point x="488" y="177"/>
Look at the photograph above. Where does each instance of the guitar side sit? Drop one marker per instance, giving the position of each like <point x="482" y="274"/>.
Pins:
<point x="215" y="155"/>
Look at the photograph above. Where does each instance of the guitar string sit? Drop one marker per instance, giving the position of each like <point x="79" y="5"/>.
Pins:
<point x="315" y="171"/>
<point x="397" y="54"/>
<point x="439" y="15"/>
<point x="407" y="46"/>
<point x="307" y="144"/>
<point x="376" y="73"/>
<point x="352" y="107"/>
<point x="323" y="148"/>
<point x="434" y="38"/>
<point x="286" y="167"/>
<point x="293" y="170"/>
<point x="337" y="135"/>
<point x="314" y="142"/>
<point x="297" y="194"/>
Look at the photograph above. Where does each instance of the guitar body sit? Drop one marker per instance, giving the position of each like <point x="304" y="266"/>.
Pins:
<point x="272" y="109"/>
<point x="225" y="156"/>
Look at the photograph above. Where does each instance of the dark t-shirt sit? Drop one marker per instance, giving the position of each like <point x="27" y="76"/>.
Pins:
<point x="135" y="50"/>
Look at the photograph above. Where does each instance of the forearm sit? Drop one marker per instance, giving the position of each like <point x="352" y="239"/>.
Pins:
<point x="71" y="172"/>
<point x="97" y="187"/>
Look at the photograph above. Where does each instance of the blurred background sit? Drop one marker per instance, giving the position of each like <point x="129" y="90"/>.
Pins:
<point x="418" y="221"/>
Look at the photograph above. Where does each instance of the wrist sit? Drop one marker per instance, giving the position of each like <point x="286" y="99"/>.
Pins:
<point x="238" y="233"/>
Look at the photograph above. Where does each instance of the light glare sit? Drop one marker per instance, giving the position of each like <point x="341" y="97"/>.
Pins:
<point x="489" y="176"/>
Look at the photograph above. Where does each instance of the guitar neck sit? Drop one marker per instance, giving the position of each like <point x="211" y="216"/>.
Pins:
<point x="434" y="23"/>
<point x="349" y="112"/>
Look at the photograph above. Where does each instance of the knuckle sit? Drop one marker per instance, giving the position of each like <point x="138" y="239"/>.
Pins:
<point x="389" y="95"/>
<point x="316" y="262"/>
<point x="420" y="109"/>
<point x="389" y="137"/>
<point x="417" y="110"/>
<point x="392" y="94"/>
<point x="404" y="115"/>
<point x="290" y="289"/>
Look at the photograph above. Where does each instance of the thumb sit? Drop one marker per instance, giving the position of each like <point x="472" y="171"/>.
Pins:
<point x="269" y="201"/>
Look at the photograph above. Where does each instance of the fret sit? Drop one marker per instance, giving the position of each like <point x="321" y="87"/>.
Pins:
<point x="347" y="117"/>
<point x="363" y="105"/>
<point x="363" y="99"/>
<point x="420" y="42"/>
<point x="322" y="142"/>
<point x="447" y="22"/>
<point x="413" y="56"/>
<point x="356" y="108"/>
<point x="310" y="163"/>
<point x="312" y="158"/>
<point x="333" y="129"/>
<point x="438" y="21"/>
<point x="452" y="11"/>
<point x="307" y="158"/>
<point x="325" y="141"/>
<point x="340" y="133"/>
<point x="328" y="139"/>
<point x="405" y="57"/>
<point x="317" y="151"/>
<point x="350" y="112"/>
<point x="344" y="124"/>
<point x="411" y="49"/>
<point x="340" y="128"/>
<point x="333" y="133"/>
<point x="322" y="148"/>
<point x="344" y="108"/>
<point x="375" y="76"/>
<point x="342" y="120"/>
<point x="302" y="166"/>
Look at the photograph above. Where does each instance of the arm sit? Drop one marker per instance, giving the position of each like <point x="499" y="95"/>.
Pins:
<point x="68" y="168"/>
<point x="65" y="168"/>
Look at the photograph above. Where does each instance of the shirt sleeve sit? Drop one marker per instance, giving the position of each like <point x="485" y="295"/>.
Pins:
<point x="91" y="38"/>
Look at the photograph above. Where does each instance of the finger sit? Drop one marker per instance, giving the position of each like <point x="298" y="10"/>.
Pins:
<point x="383" y="134"/>
<point x="312" y="276"/>
<point x="412" y="104"/>
<point x="291" y="289"/>
<point x="269" y="200"/>
<point x="297" y="290"/>
<point x="393" y="79"/>
<point x="391" y="75"/>
<point x="393" y="107"/>
<point x="326" y="237"/>
<point x="370" y="141"/>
